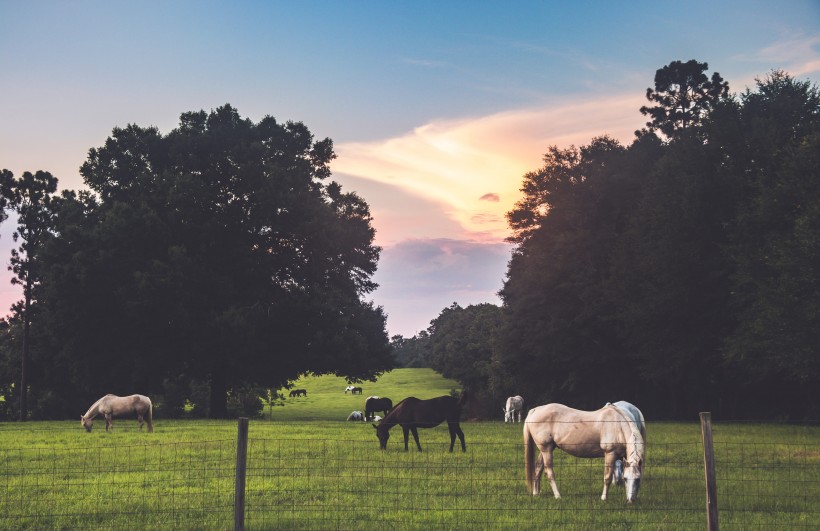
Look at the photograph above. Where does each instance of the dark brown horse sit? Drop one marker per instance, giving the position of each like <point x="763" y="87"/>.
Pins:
<point x="412" y="413"/>
<point x="374" y="404"/>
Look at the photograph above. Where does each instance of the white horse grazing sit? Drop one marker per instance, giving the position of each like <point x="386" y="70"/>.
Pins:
<point x="356" y="415"/>
<point x="515" y="404"/>
<point x="610" y="433"/>
<point x="111" y="406"/>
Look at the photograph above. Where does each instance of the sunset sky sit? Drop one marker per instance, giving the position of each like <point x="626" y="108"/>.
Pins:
<point x="436" y="109"/>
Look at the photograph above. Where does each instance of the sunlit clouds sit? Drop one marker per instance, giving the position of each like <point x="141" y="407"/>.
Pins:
<point x="439" y="195"/>
<point x="473" y="167"/>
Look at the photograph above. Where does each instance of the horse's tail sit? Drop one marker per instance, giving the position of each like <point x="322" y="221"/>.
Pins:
<point x="529" y="456"/>
<point x="150" y="416"/>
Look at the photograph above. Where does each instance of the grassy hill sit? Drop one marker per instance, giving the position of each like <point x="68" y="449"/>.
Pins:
<point x="326" y="398"/>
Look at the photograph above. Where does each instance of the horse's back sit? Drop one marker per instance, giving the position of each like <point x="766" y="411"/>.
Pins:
<point x="426" y="413"/>
<point x="575" y="431"/>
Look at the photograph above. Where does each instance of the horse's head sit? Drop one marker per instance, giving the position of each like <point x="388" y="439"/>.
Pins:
<point x="383" y="434"/>
<point x="506" y="414"/>
<point x="633" y="467"/>
<point x="86" y="423"/>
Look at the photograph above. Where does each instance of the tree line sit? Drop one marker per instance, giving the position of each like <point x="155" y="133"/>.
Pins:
<point x="205" y="266"/>
<point x="680" y="272"/>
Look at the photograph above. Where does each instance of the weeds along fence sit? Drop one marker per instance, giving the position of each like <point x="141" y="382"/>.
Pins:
<point x="321" y="482"/>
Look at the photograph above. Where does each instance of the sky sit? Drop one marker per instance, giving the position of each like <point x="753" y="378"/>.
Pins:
<point x="436" y="109"/>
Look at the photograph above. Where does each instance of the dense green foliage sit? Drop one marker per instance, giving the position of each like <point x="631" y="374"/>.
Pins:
<point x="679" y="274"/>
<point x="217" y="255"/>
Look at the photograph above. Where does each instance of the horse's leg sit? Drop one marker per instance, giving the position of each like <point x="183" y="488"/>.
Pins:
<point x="140" y="420"/>
<point x="609" y="468"/>
<point x="406" y="436"/>
<point x="109" y="422"/>
<point x="539" y="469"/>
<point x="416" y="437"/>
<point x="460" y="434"/>
<point x="547" y="456"/>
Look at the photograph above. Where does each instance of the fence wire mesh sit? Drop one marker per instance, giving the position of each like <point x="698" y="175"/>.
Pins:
<point x="180" y="485"/>
<point x="336" y="483"/>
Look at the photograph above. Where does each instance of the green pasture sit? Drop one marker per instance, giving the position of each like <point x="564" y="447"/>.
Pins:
<point x="326" y="399"/>
<point x="307" y="469"/>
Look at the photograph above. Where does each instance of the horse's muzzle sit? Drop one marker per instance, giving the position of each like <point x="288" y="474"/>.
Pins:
<point x="632" y="487"/>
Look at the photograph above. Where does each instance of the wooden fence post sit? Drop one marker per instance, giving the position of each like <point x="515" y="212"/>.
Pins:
<point x="709" y="469"/>
<point x="241" y="468"/>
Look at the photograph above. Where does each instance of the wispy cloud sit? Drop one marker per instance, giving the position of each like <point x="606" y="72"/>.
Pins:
<point x="455" y="162"/>
<point x="799" y="54"/>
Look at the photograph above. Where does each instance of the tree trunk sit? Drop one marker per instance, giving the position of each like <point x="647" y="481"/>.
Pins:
<point x="24" y="368"/>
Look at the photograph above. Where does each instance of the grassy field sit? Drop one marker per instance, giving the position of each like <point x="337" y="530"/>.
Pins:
<point x="326" y="399"/>
<point x="325" y="473"/>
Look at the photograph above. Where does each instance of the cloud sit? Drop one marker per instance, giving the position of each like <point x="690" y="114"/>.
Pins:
<point x="454" y="162"/>
<point x="421" y="277"/>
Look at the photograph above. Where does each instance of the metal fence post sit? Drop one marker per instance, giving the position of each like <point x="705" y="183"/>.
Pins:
<point x="709" y="469"/>
<point x="241" y="467"/>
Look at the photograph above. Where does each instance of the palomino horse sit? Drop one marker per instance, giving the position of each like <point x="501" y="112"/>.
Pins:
<point x="515" y="404"/>
<point x="610" y="433"/>
<point x="412" y="413"/>
<point x="111" y="406"/>
<point x="374" y="404"/>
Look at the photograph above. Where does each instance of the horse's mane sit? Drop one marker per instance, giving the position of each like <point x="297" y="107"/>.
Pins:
<point x="636" y="446"/>
<point x="96" y="404"/>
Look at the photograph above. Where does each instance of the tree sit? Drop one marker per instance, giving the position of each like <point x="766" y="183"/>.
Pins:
<point x="219" y="251"/>
<point x="30" y="199"/>
<point x="775" y="246"/>
<point x="679" y="274"/>
<point x="684" y="96"/>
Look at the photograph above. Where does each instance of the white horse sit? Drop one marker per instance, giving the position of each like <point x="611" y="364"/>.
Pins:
<point x="350" y="388"/>
<point x="111" y="406"/>
<point x="515" y="404"/>
<point x="611" y="433"/>
<point x="356" y="415"/>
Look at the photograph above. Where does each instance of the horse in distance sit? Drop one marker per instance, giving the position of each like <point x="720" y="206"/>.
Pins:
<point x="374" y="404"/>
<point x="609" y="432"/>
<point x="298" y="392"/>
<point x="413" y="413"/>
<point x="514" y="404"/>
<point x="356" y="416"/>
<point x="111" y="406"/>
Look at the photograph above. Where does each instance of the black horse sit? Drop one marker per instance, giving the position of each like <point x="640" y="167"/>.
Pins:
<point x="374" y="404"/>
<point x="412" y="413"/>
<point x="298" y="392"/>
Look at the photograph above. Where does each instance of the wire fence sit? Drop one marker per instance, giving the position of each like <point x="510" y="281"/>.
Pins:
<point x="326" y="483"/>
